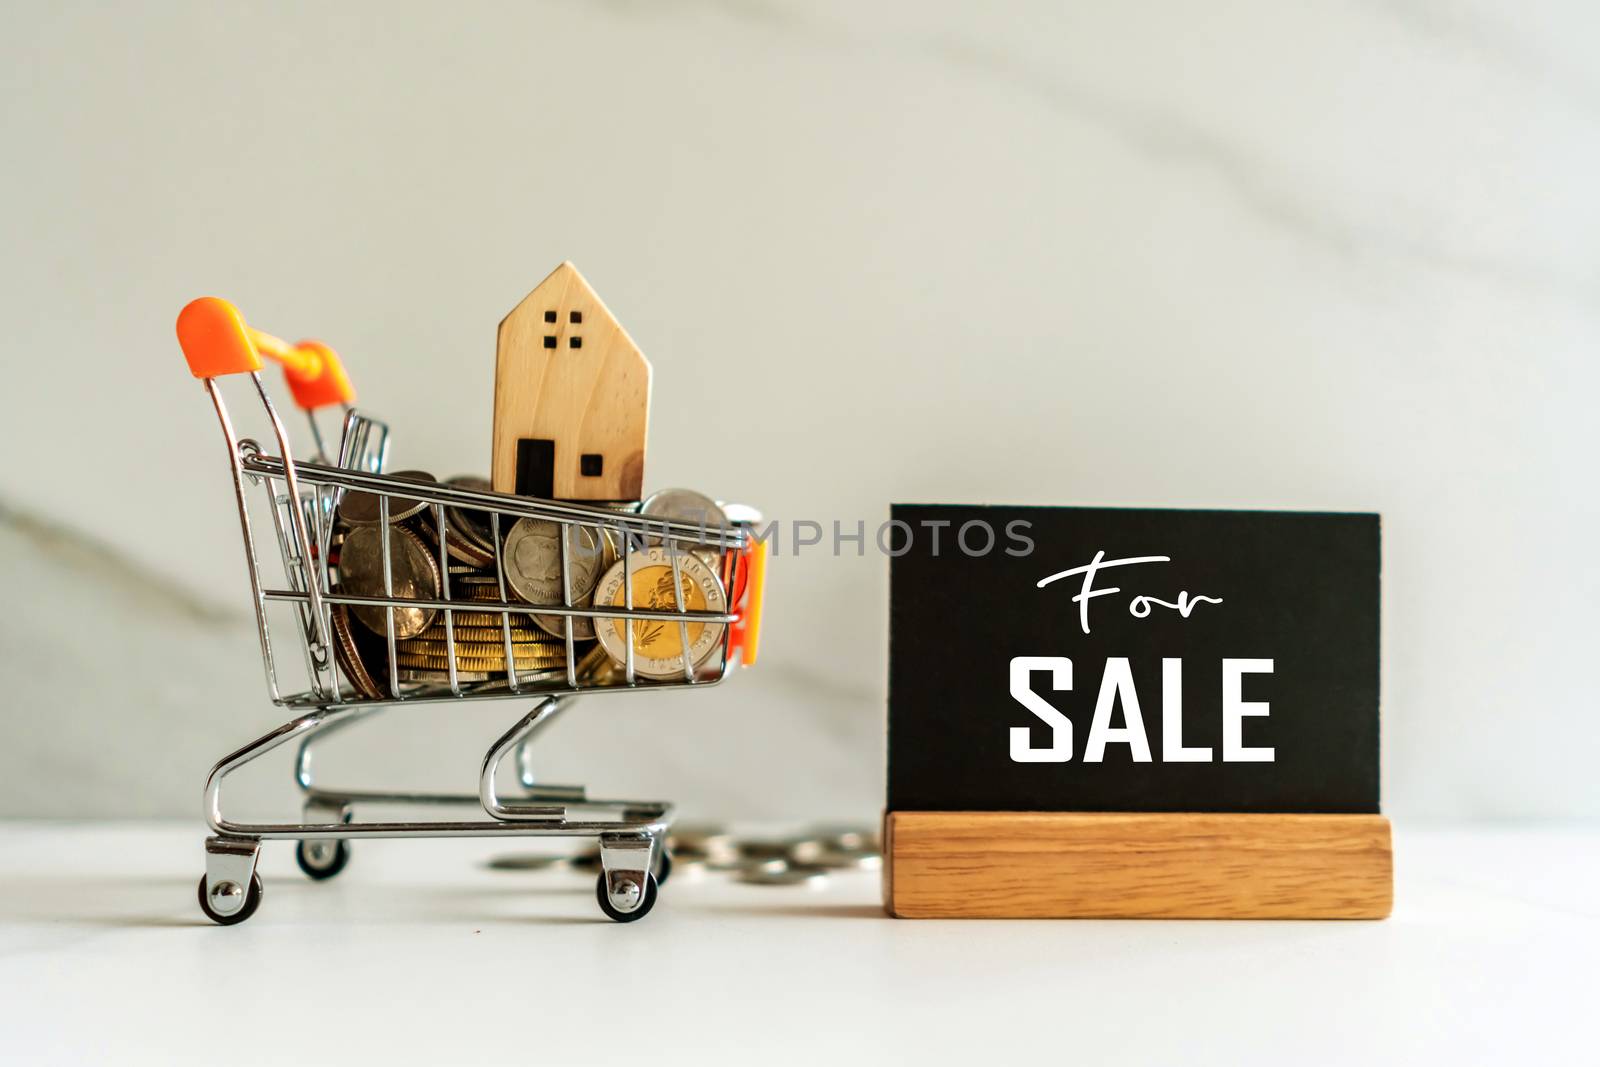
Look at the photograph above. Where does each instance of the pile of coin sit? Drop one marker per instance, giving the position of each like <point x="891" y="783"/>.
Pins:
<point x="803" y="859"/>
<point x="536" y="569"/>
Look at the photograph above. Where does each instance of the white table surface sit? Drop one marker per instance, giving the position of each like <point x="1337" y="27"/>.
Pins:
<point x="418" y="953"/>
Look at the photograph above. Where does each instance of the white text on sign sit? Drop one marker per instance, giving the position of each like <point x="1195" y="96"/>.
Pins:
<point x="1116" y="686"/>
<point x="1140" y="606"/>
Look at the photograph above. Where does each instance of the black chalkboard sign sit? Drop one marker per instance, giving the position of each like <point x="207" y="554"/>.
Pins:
<point x="1109" y="659"/>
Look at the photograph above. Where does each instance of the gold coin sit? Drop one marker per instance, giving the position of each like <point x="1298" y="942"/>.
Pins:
<point x="520" y="632"/>
<point x="517" y="622"/>
<point x="485" y="591"/>
<point x="520" y="635"/>
<point x="493" y="666"/>
<point x="519" y="654"/>
<point x="595" y="668"/>
<point x="485" y="618"/>
<point x="658" y="645"/>
<point x="652" y="591"/>
<point x="441" y="677"/>
<point x="483" y="681"/>
<point x="422" y="646"/>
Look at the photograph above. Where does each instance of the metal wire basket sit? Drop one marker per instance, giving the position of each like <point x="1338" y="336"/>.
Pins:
<point x="303" y="499"/>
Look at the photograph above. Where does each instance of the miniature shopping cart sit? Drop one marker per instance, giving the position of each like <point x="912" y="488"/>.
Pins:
<point x="302" y="501"/>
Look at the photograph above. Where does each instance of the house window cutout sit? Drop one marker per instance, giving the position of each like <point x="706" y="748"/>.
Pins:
<point x="575" y="342"/>
<point x="591" y="464"/>
<point x="575" y="317"/>
<point x="549" y="340"/>
<point x="549" y="316"/>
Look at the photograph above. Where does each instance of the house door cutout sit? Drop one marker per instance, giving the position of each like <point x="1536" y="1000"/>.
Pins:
<point x="536" y="467"/>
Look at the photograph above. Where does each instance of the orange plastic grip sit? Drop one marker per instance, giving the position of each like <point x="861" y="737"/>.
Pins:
<point x="317" y="379"/>
<point x="756" y="587"/>
<point x="216" y="341"/>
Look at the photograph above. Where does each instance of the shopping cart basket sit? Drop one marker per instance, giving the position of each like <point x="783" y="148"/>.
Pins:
<point x="303" y="501"/>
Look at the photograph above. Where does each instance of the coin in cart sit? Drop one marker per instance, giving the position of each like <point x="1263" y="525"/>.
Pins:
<point x="533" y="560"/>
<point x="695" y="509"/>
<point x="469" y="532"/>
<point x="358" y="655"/>
<point x="365" y="509"/>
<point x="414" y="575"/>
<point x="659" y="650"/>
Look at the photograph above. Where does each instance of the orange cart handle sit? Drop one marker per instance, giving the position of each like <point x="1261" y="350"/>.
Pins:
<point x="216" y="341"/>
<point x="750" y="625"/>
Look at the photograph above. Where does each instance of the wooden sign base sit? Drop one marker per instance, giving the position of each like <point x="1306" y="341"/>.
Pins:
<point x="1072" y="865"/>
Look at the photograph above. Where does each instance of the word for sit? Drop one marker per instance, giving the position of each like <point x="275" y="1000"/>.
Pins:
<point x="1140" y="606"/>
<point x="1116" y="686"/>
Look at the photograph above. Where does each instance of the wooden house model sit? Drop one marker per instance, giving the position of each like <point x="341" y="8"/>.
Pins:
<point x="571" y="397"/>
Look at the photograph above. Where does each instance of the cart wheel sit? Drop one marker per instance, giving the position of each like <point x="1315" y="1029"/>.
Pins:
<point x="640" y="912"/>
<point x="664" y="867"/>
<point x="322" y="858"/>
<point x="252" y="901"/>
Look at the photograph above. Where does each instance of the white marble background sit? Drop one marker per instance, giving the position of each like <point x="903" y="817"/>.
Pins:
<point x="1312" y="255"/>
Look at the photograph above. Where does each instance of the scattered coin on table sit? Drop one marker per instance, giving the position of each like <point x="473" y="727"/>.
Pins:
<point x="758" y="861"/>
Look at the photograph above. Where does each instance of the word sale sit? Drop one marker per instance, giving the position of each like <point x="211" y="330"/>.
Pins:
<point x="1116" y="687"/>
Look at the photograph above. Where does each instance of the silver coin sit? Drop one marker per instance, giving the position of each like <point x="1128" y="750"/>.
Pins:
<point x="533" y="570"/>
<point x="696" y="509"/>
<point x="689" y="866"/>
<point x="684" y="505"/>
<point x="844" y="837"/>
<point x="765" y="849"/>
<point x="787" y="875"/>
<point x="414" y="576"/>
<point x="710" y="843"/>
<point x="471" y="531"/>
<point x="459" y="548"/>
<point x="525" y="861"/>
<point x="610" y="548"/>
<point x="362" y="509"/>
<point x="700" y="839"/>
<point x="841" y="860"/>
<point x="745" y="864"/>
<point x="658" y="650"/>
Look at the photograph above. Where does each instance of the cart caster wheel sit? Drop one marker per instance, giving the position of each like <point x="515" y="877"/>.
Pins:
<point x="645" y="904"/>
<point x="664" y="868"/>
<point x="322" y="858"/>
<point x="252" y="901"/>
